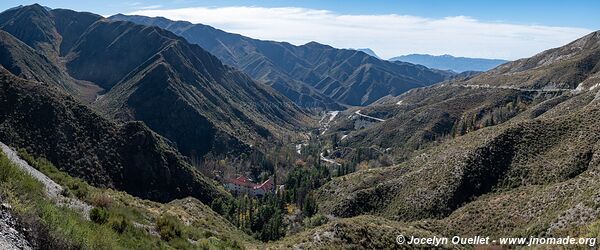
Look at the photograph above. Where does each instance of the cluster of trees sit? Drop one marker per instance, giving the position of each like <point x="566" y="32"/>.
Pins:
<point x="254" y="163"/>
<point x="344" y="169"/>
<point x="486" y="117"/>
<point x="270" y="217"/>
<point x="261" y="217"/>
<point x="300" y="183"/>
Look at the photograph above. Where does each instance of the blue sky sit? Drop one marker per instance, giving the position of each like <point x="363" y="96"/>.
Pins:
<point x="503" y="29"/>
<point x="580" y="13"/>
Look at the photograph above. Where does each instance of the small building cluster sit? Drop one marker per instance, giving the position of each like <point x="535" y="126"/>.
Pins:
<point x="243" y="185"/>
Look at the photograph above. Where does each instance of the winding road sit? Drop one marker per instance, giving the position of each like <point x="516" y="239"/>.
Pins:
<point x="545" y="90"/>
<point x="370" y="117"/>
<point x="325" y="159"/>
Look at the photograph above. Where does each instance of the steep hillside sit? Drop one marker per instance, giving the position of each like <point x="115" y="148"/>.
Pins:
<point x="312" y="75"/>
<point x="57" y="211"/>
<point x="50" y="33"/>
<point x="168" y="79"/>
<point x="540" y="173"/>
<point x="448" y="62"/>
<point x="176" y="88"/>
<point x="426" y="116"/>
<point x="24" y="61"/>
<point x="564" y="67"/>
<point x="34" y="25"/>
<point x="361" y="232"/>
<point x="537" y="166"/>
<point x="46" y="121"/>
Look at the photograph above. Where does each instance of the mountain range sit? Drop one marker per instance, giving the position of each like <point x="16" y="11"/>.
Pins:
<point x="147" y="106"/>
<point x="311" y="75"/>
<point x="448" y="62"/>
<point x="178" y="89"/>
<point x="44" y="120"/>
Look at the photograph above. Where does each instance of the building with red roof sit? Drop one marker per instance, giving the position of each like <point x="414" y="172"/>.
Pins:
<point x="242" y="184"/>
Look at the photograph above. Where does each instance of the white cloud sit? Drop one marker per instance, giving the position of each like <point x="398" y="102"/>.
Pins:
<point x="151" y="7"/>
<point x="387" y="35"/>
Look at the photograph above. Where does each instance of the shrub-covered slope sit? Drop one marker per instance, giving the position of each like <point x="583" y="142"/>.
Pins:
<point x="47" y="122"/>
<point x="535" y="172"/>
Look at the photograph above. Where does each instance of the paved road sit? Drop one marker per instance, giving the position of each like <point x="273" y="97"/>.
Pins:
<point x="547" y="90"/>
<point x="324" y="123"/>
<point x="370" y="117"/>
<point x="325" y="159"/>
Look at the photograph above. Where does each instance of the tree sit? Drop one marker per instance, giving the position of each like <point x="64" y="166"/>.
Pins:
<point x="310" y="206"/>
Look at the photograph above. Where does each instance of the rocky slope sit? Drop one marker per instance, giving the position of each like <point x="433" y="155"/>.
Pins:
<point x="10" y="238"/>
<point x="52" y="190"/>
<point x="570" y="66"/>
<point x="312" y="75"/>
<point x="43" y="209"/>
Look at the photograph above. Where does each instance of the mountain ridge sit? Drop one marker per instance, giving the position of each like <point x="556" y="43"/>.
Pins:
<point x="45" y="121"/>
<point x="236" y="112"/>
<point x="313" y="74"/>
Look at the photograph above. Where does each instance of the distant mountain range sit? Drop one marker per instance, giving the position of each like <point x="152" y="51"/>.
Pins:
<point x="448" y="62"/>
<point x="369" y="52"/>
<point x="311" y="75"/>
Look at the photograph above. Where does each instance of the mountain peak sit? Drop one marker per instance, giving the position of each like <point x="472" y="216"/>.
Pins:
<point x="316" y="45"/>
<point x="33" y="7"/>
<point x="38" y="23"/>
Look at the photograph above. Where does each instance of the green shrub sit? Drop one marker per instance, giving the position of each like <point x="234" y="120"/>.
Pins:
<point x="208" y="234"/>
<point x="72" y="186"/>
<point x="169" y="227"/>
<point x="119" y="223"/>
<point x="315" y="221"/>
<point x="99" y="215"/>
<point x="79" y="188"/>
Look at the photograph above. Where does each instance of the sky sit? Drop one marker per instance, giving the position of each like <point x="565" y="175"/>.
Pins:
<point x="507" y="29"/>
